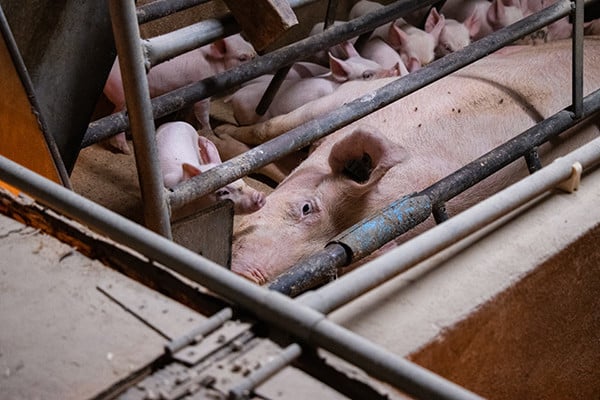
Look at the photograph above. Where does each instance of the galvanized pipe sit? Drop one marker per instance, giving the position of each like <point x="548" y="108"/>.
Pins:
<point x="357" y="242"/>
<point x="243" y="389"/>
<point x="137" y="97"/>
<point x="198" y="333"/>
<point x="510" y="151"/>
<point x="164" y="47"/>
<point x="180" y="98"/>
<point x="577" y="83"/>
<point x="317" y="268"/>
<point x="161" y="8"/>
<point x="305" y="134"/>
<point x="436" y="239"/>
<point x="299" y="321"/>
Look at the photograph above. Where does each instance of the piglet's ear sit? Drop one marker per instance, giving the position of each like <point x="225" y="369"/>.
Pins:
<point x="339" y="69"/>
<point x="363" y="157"/>
<point x="208" y="151"/>
<point x="189" y="171"/>
<point x="218" y="49"/>
<point x="435" y="23"/>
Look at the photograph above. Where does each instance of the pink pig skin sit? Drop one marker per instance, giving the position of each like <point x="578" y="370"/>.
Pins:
<point x="413" y="142"/>
<point x="187" y="68"/>
<point x="490" y="15"/>
<point x="295" y="92"/>
<point x="184" y="154"/>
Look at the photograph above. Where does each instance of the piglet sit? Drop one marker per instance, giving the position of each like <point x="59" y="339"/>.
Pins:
<point x="412" y="42"/>
<point x="492" y="15"/>
<point x="184" y="154"/>
<point x="296" y="92"/>
<point x="454" y="35"/>
<point x="182" y="70"/>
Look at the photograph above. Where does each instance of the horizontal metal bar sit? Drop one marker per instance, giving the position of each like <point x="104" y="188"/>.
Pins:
<point x="305" y="134"/>
<point x="161" y="8"/>
<point x="358" y="241"/>
<point x="164" y="47"/>
<point x="200" y="331"/>
<point x="442" y="236"/>
<point x="315" y="270"/>
<point x="299" y="321"/>
<point x="180" y="98"/>
<point x="243" y="389"/>
<point x="439" y="193"/>
<point x="501" y="156"/>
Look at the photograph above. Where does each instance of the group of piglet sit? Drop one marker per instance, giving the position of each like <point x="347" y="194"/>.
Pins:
<point x="394" y="49"/>
<point x="182" y="152"/>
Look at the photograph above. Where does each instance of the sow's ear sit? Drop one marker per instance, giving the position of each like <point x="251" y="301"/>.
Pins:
<point x="363" y="157"/>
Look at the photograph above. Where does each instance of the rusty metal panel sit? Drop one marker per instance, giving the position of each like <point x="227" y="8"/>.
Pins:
<point x="68" y="49"/>
<point x="24" y="138"/>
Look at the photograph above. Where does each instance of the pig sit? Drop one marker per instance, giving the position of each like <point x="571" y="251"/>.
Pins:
<point x="411" y="144"/>
<point x="454" y="35"/>
<point x="184" y="154"/>
<point x="491" y="16"/>
<point x="184" y="69"/>
<point x="295" y="92"/>
<point x="411" y="42"/>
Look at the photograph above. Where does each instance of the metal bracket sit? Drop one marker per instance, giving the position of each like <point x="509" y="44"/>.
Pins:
<point x="572" y="183"/>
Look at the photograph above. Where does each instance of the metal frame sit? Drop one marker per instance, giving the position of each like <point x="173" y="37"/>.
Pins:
<point x="304" y="319"/>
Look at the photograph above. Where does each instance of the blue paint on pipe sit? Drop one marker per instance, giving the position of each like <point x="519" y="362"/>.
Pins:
<point x="399" y="217"/>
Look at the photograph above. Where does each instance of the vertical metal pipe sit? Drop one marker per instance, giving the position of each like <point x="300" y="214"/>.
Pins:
<point x="137" y="96"/>
<point x="532" y="159"/>
<point x="577" y="14"/>
<point x="271" y="91"/>
<point x="330" y="14"/>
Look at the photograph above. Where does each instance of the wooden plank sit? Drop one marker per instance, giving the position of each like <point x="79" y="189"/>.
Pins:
<point x="262" y="21"/>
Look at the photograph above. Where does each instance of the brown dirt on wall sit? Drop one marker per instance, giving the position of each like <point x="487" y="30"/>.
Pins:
<point x="538" y="339"/>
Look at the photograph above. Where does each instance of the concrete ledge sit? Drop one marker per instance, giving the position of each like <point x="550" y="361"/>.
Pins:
<point x="508" y="313"/>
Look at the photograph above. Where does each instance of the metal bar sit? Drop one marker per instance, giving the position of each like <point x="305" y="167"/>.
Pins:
<point x="330" y="13"/>
<point x="335" y="294"/>
<point x="508" y="152"/>
<point x="137" y="96"/>
<point x="532" y="159"/>
<point x="200" y="331"/>
<point x="439" y="213"/>
<point x="358" y="241"/>
<point x="277" y="80"/>
<point x="243" y="389"/>
<point x="315" y="129"/>
<point x="177" y="99"/>
<point x="316" y="269"/>
<point x="436" y="239"/>
<point x="271" y="91"/>
<point x="161" y="8"/>
<point x="164" y="47"/>
<point x="577" y="57"/>
<point x="272" y="307"/>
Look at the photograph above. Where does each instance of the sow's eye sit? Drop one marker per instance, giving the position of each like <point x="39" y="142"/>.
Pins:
<point x="307" y="208"/>
<point x="222" y="193"/>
